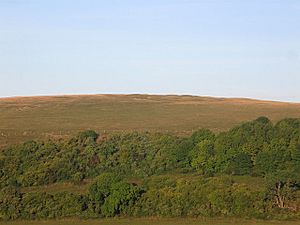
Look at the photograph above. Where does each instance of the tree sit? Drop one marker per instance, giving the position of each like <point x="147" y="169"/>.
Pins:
<point x="202" y="157"/>
<point x="122" y="197"/>
<point x="10" y="203"/>
<point x="111" y="196"/>
<point x="241" y="164"/>
<point x="101" y="187"/>
<point x="294" y="149"/>
<point x="281" y="186"/>
<point x="201" y="135"/>
<point x="87" y="137"/>
<point x="273" y="157"/>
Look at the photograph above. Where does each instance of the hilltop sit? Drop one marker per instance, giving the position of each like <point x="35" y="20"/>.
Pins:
<point x="24" y="118"/>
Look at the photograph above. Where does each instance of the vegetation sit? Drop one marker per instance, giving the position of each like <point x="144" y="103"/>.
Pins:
<point x="250" y="171"/>
<point x="153" y="221"/>
<point x="28" y="118"/>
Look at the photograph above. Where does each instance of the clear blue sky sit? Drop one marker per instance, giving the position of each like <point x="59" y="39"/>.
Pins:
<point x="242" y="48"/>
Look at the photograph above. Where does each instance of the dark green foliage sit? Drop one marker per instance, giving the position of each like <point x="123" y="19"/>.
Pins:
<point x="294" y="149"/>
<point x="263" y="120"/>
<point x="110" y="196"/>
<point x="122" y="197"/>
<point x="43" y="205"/>
<point x="202" y="135"/>
<point x="33" y="164"/>
<point x="240" y="164"/>
<point x="199" y="197"/>
<point x="257" y="148"/>
<point x="88" y="135"/>
<point x="101" y="189"/>
<point x="10" y="203"/>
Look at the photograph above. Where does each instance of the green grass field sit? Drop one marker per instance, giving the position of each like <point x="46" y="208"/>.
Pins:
<point x="153" y="221"/>
<point x="53" y="117"/>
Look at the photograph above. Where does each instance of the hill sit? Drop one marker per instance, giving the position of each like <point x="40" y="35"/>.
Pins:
<point x="24" y="118"/>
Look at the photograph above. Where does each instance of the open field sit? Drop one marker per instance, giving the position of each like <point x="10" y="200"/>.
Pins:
<point x="53" y="117"/>
<point x="153" y="222"/>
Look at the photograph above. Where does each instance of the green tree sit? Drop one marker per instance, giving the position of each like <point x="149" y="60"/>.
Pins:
<point x="241" y="164"/>
<point x="87" y="137"/>
<point x="282" y="186"/>
<point x="201" y="135"/>
<point x="101" y="188"/>
<point x="202" y="157"/>
<point x="10" y="203"/>
<point x="122" y="197"/>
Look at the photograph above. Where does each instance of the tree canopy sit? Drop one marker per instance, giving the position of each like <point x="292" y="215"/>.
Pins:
<point x="257" y="149"/>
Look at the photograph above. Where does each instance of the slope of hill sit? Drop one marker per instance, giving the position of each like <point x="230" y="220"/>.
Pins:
<point x="25" y="118"/>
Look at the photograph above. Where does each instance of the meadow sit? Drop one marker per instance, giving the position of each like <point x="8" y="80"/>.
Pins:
<point x="153" y="221"/>
<point x="26" y="118"/>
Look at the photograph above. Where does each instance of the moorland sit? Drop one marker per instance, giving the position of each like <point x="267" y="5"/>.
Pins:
<point x="27" y="118"/>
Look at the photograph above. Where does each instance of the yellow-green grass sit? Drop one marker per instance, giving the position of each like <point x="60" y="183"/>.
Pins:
<point x="153" y="221"/>
<point x="253" y="183"/>
<point x="59" y="116"/>
<point x="60" y="187"/>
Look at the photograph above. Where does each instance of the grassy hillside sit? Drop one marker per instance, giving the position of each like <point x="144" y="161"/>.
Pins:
<point x="39" y="117"/>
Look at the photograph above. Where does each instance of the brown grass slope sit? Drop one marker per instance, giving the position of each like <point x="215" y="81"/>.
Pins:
<point x="24" y="118"/>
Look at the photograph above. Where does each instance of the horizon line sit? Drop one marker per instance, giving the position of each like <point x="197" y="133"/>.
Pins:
<point x="153" y="94"/>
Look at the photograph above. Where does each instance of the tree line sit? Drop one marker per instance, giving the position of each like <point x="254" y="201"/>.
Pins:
<point x="204" y="165"/>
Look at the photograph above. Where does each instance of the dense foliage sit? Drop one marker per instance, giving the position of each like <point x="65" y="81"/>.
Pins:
<point x="132" y="174"/>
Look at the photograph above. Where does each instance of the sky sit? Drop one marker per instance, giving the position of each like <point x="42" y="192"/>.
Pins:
<point x="229" y="48"/>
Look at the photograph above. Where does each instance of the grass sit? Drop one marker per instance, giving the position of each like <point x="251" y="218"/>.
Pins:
<point x="153" y="221"/>
<point x="55" y="117"/>
<point x="253" y="183"/>
<point x="60" y="187"/>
